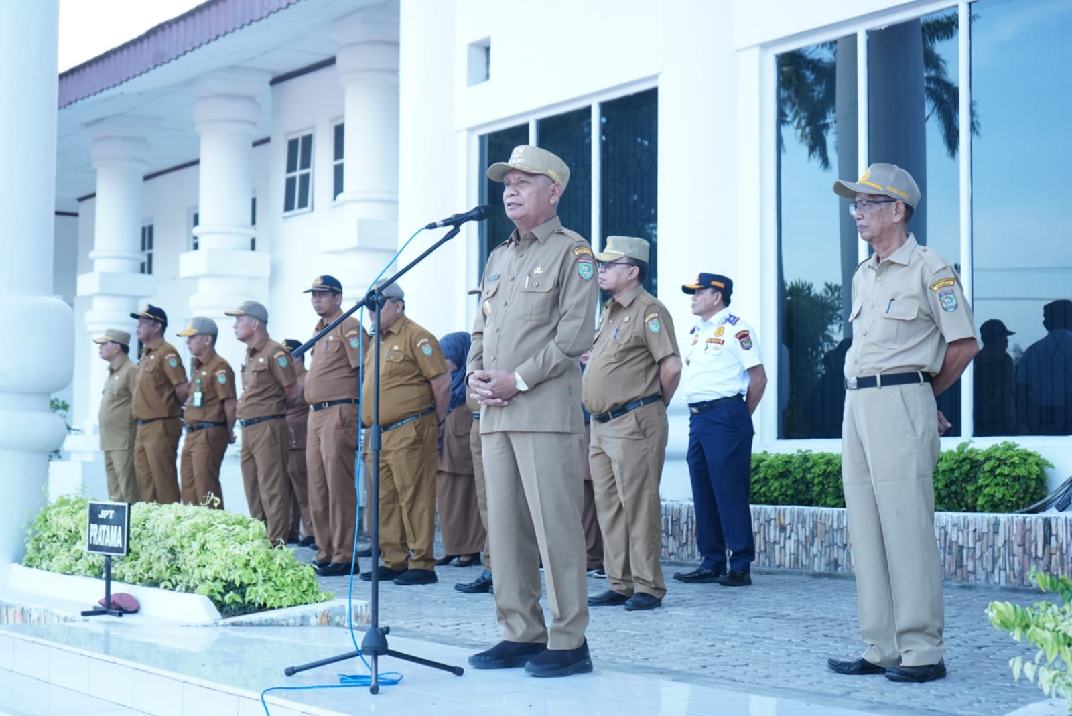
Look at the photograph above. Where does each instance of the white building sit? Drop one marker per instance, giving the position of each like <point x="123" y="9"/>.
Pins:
<point x="242" y="149"/>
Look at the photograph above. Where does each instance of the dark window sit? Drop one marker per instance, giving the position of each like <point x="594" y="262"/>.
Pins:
<point x="147" y="248"/>
<point x="297" y="184"/>
<point x="496" y="147"/>
<point x="569" y="135"/>
<point x="337" y="161"/>
<point x="195" y="219"/>
<point x="253" y="223"/>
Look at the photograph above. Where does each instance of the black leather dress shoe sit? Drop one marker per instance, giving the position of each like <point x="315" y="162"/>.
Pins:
<point x="366" y="552"/>
<point x="641" y="601"/>
<point x="506" y="655"/>
<point x="736" y="579"/>
<point x="384" y="573"/>
<point x="856" y="667"/>
<point x="916" y="674"/>
<point x="468" y="561"/>
<point x="334" y="569"/>
<point x="307" y="541"/>
<point x="700" y="575"/>
<point x="319" y="563"/>
<point x="481" y="585"/>
<point x="609" y="598"/>
<point x="416" y="576"/>
<point x="444" y="561"/>
<point x="560" y="662"/>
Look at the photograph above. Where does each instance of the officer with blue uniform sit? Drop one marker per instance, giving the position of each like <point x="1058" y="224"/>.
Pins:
<point x="723" y="383"/>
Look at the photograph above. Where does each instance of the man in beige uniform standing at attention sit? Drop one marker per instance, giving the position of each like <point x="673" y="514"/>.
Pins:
<point x="414" y="396"/>
<point x="632" y="373"/>
<point x="209" y="415"/>
<point x="297" y="470"/>
<point x="116" y="422"/>
<point x="537" y="312"/>
<point x="330" y="389"/>
<point x="912" y="337"/>
<point x="268" y="383"/>
<point x="159" y="392"/>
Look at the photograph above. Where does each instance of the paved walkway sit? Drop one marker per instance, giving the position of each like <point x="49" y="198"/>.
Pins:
<point x="772" y="638"/>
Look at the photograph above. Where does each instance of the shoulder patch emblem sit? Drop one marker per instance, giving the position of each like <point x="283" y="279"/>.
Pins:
<point x="943" y="283"/>
<point x="732" y="319"/>
<point x="425" y="346"/>
<point x="355" y="341"/>
<point x="948" y="299"/>
<point x="281" y="359"/>
<point x="221" y="377"/>
<point x="653" y="325"/>
<point x="173" y="361"/>
<point x="586" y="269"/>
<point x="582" y="251"/>
<point x="744" y="339"/>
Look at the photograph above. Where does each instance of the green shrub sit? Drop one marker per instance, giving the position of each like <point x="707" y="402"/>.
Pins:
<point x="225" y="557"/>
<point x="797" y="478"/>
<point x="1010" y="478"/>
<point x="955" y="479"/>
<point x="1047" y="626"/>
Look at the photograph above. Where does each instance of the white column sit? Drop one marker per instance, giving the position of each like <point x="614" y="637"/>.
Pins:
<point x="367" y="67"/>
<point x="226" y="115"/>
<point x="116" y="285"/>
<point x="41" y="324"/>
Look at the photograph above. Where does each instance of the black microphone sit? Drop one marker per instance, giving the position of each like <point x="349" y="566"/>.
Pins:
<point x="477" y="213"/>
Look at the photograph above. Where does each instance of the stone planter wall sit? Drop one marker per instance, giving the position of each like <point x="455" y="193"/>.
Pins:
<point x="975" y="548"/>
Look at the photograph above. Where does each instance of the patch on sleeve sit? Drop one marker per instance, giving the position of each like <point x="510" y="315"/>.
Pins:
<point x="221" y="377"/>
<point x="354" y="339"/>
<point x="281" y="359"/>
<point x="425" y="346"/>
<point x="652" y="322"/>
<point x="582" y="251"/>
<point x="732" y="319"/>
<point x="948" y="299"/>
<point x="943" y="283"/>
<point x="744" y="339"/>
<point x="586" y="269"/>
<point x="173" y="360"/>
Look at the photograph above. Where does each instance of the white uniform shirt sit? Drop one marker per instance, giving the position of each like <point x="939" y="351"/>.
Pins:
<point x="718" y="354"/>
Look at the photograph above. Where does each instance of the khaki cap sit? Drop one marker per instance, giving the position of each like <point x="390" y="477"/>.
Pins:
<point x="624" y="246"/>
<point x="532" y="160"/>
<point x="393" y="291"/>
<point x="885" y="179"/>
<point x="251" y="309"/>
<point x="199" y="326"/>
<point x="115" y="335"/>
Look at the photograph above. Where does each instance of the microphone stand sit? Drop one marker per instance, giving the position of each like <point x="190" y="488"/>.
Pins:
<point x="374" y="643"/>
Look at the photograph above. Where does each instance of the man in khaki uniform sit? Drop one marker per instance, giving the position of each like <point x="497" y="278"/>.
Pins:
<point x="159" y="392"/>
<point x="330" y="389"/>
<point x="632" y="373"/>
<point x="209" y="415"/>
<point x="414" y="395"/>
<point x="912" y="337"/>
<point x="116" y="422"/>
<point x="298" y="432"/>
<point x="538" y="309"/>
<point x="268" y="383"/>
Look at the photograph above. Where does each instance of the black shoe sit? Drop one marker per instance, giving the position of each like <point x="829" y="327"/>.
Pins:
<point x="416" y="576"/>
<point x="470" y="561"/>
<point x="609" y="598"/>
<point x="641" y="601"/>
<point x="916" y="674"/>
<point x="307" y="541"/>
<point x="736" y="579"/>
<point x="506" y="655"/>
<point x="293" y="541"/>
<point x="700" y="575"/>
<point x="335" y="569"/>
<point x="857" y="667"/>
<point x="444" y="561"/>
<point x="384" y="573"/>
<point x="366" y="552"/>
<point x="319" y="563"/>
<point x="560" y="662"/>
<point x="481" y="585"/>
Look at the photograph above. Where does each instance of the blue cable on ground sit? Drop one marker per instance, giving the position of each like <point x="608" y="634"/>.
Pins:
<point x="349" y="681"/>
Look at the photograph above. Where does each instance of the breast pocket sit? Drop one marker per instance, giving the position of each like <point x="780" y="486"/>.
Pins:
<point x="392" y="360"/>
<point x="537" y="301"/>
<point x="899" y="321"/>
<point x="259" y="375"/>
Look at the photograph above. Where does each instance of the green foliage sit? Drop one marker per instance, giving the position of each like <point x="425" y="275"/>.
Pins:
<point x="1048" y="627"/>
<point x="225" y="557"/>
<point x="797" y="478"/>
<point x="1001" y="478"/>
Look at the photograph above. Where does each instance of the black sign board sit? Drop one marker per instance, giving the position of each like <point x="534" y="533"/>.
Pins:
<point x="109" y="528"/>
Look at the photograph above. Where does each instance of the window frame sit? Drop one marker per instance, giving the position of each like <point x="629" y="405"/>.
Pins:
<point x="299" y="171"/>
<point x="147" y="240"/>
<point x="339" y="163"/>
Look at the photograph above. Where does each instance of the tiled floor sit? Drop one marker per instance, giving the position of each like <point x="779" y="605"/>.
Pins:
<point x="22" y="696"/>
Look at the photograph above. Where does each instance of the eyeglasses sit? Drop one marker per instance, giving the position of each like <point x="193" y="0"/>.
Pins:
<point x="866" y="205"/>
<point x="605" y="265"/>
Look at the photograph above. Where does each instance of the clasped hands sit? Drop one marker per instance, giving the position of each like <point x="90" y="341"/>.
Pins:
<point x="492" y="387"/>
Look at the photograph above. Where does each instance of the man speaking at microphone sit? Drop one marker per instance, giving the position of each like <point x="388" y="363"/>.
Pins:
<point x="538" y="302"/>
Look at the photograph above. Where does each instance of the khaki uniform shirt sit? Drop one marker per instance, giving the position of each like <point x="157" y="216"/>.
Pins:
<point x="905" y="310"/>
<point x="210" y="384"/>
<point x="333" y="375"/>
<point x="409" y="357"/>
<point x="267" y="373"/>
<point x="635" y="334"/>
<point x="538" y="301"/>
<point x="159" y="371"/>
<point x="116" y="421"/>
<point x="298" y="414"/>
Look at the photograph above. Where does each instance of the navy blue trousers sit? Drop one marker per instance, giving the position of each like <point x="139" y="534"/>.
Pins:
<point x="719" y="457"/>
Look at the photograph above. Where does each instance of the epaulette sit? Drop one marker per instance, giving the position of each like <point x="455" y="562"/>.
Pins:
<point x="731" y="319"/>
<point x="932" y="260"/>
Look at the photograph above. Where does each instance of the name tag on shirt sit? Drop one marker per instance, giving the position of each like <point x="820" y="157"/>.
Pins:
<point x="197" y="399"/>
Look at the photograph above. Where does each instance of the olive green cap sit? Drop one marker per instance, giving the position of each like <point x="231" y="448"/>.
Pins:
<point x="532" y="160"/>
<point x="624" y="246"/>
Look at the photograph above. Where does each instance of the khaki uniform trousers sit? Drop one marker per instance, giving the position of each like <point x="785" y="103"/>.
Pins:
<point x="156" y="445"/>
<point x="119" y="470"/>
<point x="626" y="459"/>
<point x="890" y="447"/>
<point x="534" y="512"/>
<point x="481" y="490"/>
<point x="408" y="466"/>
<point x="329" y="457"/>
<point x="202" y="455"/>
<point x="298" y="472"/>
<point x="593" y="536"/>
<point x="264" y="458"/>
